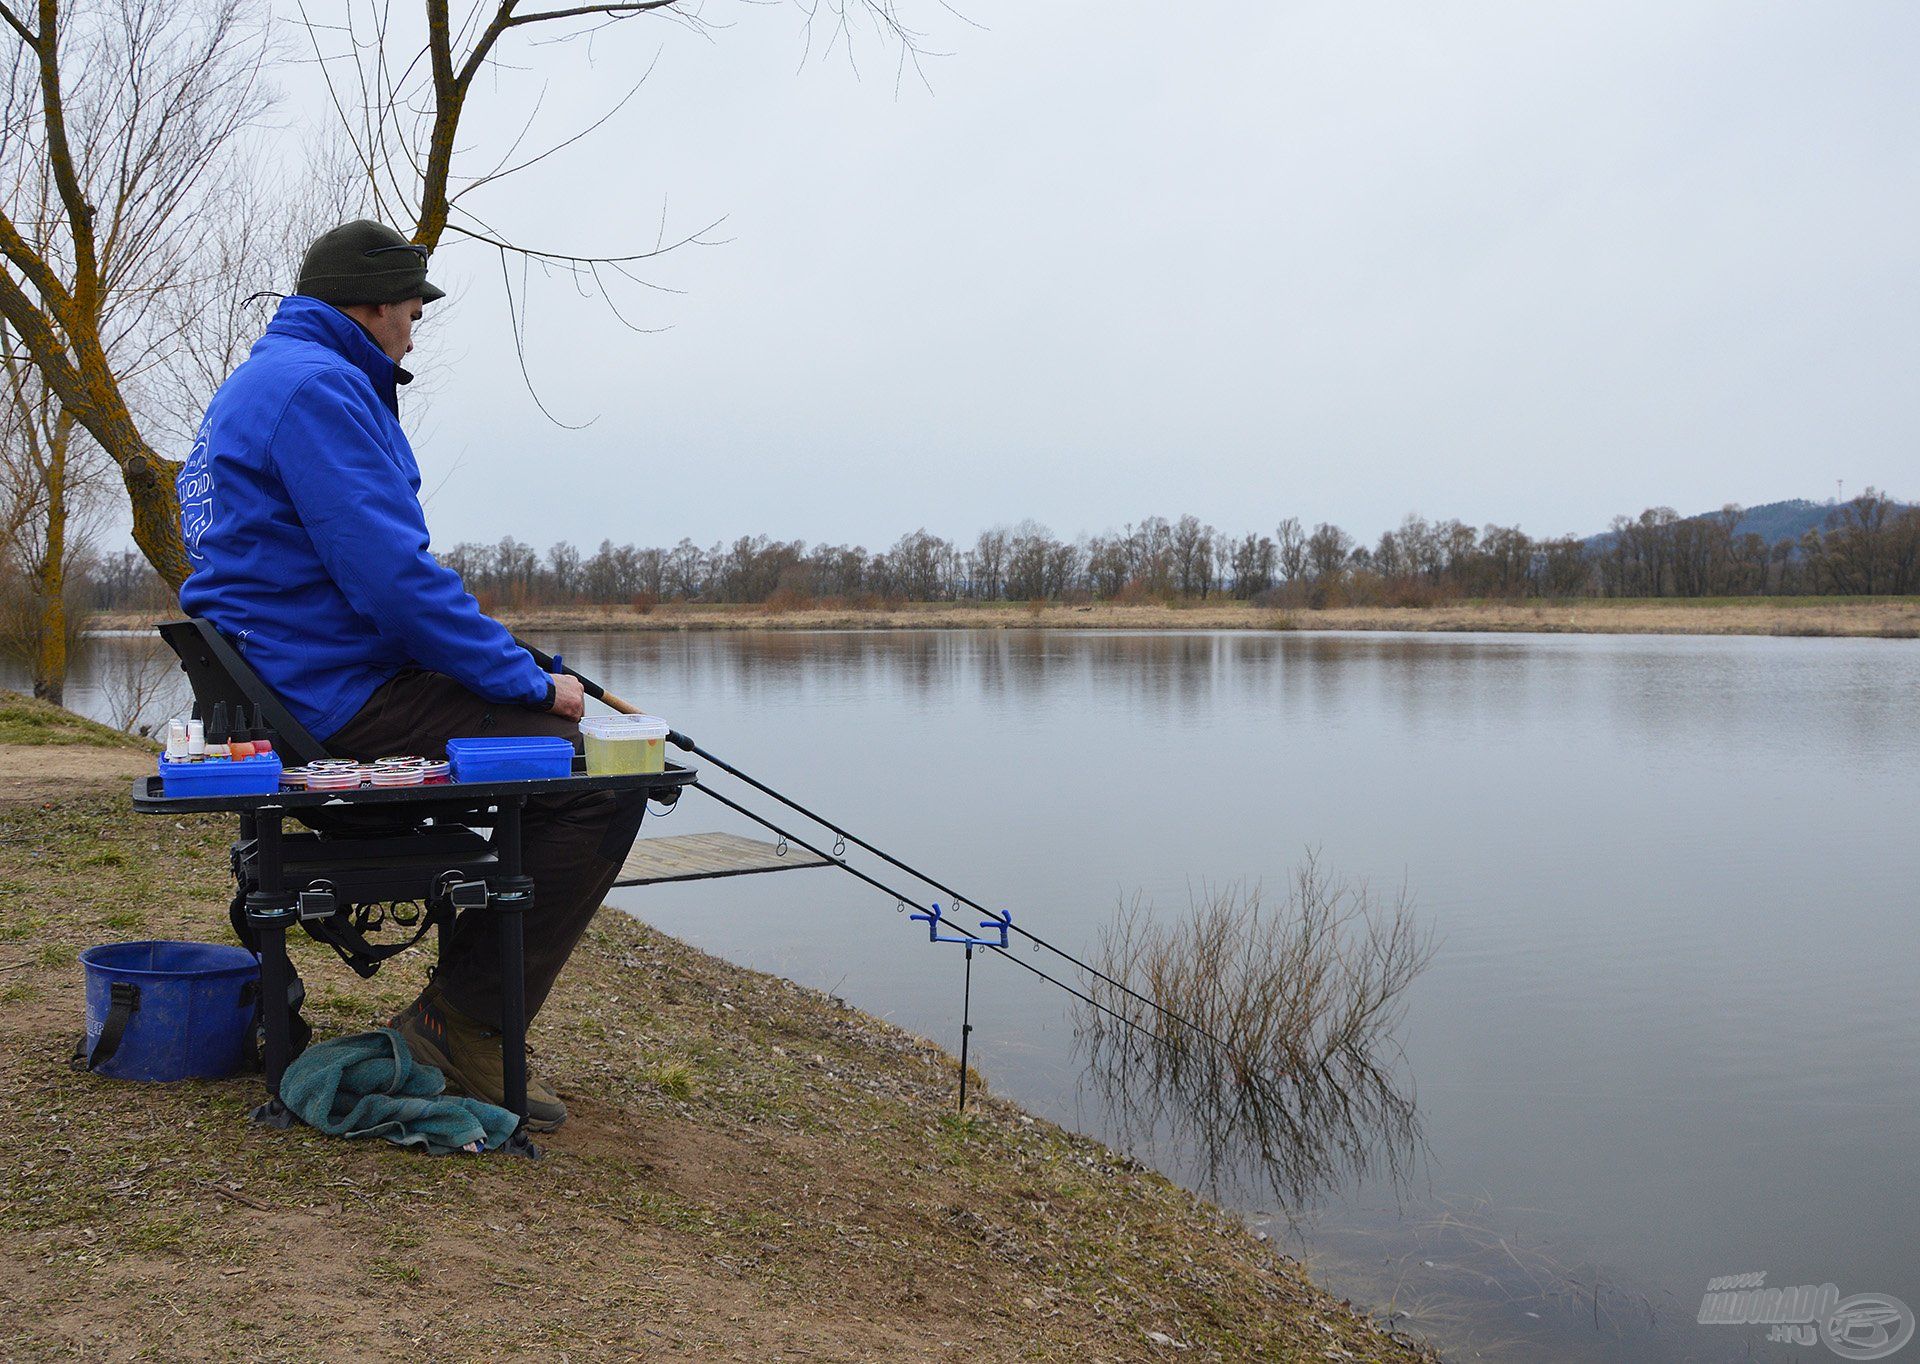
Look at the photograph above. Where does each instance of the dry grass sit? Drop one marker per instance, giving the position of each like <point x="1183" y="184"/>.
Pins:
<point x="753" y="1172"/>
<point x="26" y="721"/>
<point x="1884" y="617"/>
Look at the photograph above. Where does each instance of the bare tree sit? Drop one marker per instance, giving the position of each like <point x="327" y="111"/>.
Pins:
<point x="52" y="485"/>
<point x="1565" y="568"/>
<point x="135" y="675"/>
<point x="151" y="106"/>
<point x="563" y="568"/>
<point x="1327" y="551"/>
<point x="917" y="559"/>
<point x="123" y="121"/>
<point x="1505" y="561"/>
<point x="258" y="225"/>
<point x="1192" y="555"/>
<point x="1034" y="563"/>
<point x="1290" y="550"/>
<point x="1109" y="565"/>
<point x="119" y="119"/>
<point x="1858" y="549"/>
<point x="990" y="562"/>
<point x="1252" y="558"/>
<point x="402" y="92"/>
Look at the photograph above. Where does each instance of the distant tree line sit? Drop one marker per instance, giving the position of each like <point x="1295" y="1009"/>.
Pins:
<point x="1869" y="546"/>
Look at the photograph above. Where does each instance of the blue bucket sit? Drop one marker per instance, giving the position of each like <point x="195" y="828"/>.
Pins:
<point x="181" y="1010"/>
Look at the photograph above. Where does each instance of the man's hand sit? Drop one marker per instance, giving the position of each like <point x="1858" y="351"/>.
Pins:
<point x="569" y="697"/>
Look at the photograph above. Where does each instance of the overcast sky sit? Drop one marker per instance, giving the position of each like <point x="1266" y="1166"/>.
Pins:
<point x="1533" y="263"/>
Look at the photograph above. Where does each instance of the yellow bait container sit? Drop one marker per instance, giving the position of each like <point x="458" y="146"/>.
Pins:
<point x="620" y="745"/>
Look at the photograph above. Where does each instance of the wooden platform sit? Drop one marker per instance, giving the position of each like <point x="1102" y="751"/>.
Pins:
<point x="696" y="857"/>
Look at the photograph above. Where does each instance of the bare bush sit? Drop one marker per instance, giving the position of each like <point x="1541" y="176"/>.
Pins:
<point x="135" y="676"/>
<point x="1286" y="1059"/>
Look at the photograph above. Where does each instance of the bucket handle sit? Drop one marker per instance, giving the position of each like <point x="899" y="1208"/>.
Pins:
<point x="123" y="1003"/>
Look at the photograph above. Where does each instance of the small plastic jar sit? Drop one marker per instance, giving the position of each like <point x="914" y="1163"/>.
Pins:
<point x="621" y="745"/>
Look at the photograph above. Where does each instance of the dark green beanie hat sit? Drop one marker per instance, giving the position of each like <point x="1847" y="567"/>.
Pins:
<point x="365" y="262"/>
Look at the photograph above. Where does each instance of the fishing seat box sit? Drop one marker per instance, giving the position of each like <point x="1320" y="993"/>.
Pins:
<point x="372" y="860"/>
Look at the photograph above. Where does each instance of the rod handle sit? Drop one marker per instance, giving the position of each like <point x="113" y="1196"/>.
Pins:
<point x="553" y="663"/>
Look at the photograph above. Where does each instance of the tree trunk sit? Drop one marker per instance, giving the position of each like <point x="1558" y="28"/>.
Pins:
<point x="50" y="659"/>
<point x="156" y="513"/>
<point x="75" y="367"/>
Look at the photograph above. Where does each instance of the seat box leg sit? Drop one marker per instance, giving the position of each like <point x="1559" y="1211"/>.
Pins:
<point x="509" y="903"/>
<point x="269" y="912"/>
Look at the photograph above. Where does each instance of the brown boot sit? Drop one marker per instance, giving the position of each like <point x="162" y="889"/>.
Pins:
<point x="469" y="1054"/>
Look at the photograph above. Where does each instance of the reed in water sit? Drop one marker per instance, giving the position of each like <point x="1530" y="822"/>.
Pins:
<point x="1292" y="1070"/>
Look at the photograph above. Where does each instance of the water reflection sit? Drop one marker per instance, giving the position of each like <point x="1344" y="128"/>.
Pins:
<point x="1249" y="1141"/>
<point x="1260" y="1042"/>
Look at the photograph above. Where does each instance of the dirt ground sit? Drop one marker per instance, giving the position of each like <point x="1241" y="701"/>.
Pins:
<point x="753" y="1172"/>
<point x="27" y="776"/>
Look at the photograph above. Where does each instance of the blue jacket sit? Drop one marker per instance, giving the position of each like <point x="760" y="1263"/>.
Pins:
<point x="300" y="506"/>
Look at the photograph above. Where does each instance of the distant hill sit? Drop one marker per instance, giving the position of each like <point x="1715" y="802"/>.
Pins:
<point x="1772" y="522"/>
<point x="1788" y="520"/>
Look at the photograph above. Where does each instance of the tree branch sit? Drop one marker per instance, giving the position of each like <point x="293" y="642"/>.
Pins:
<point x="60" y="161"/>
<point x="41" y="338"/>
<point x="500" y="172"/>
<point x="14" y="22"/>
<point x="33" y="265"/>
<point x="561" y="259"/>
<point x="582" y="11"/>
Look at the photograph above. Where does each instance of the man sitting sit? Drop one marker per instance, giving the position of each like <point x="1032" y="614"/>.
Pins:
<point x="308" y="547"/>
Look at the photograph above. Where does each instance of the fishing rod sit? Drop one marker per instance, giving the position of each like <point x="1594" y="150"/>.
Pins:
<point x="550" y="663"/>
<point x="904" y="900"/>
<point x="1249" y="1074"/>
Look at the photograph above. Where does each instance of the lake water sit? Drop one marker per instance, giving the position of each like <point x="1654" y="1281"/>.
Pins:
<point x="1669" y="1031"/>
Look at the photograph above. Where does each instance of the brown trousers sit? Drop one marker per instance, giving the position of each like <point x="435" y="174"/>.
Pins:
<point x="571" y="846"/>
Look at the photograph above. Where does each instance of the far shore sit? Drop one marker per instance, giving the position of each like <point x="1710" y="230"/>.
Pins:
<point x="1876" y="617"/>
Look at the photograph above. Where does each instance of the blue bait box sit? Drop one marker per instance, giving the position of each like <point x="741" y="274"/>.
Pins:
<point x="515" y="757"/>
<point x="255" y="776"/>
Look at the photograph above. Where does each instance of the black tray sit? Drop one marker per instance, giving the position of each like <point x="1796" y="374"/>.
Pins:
<point x="150" y="799"/>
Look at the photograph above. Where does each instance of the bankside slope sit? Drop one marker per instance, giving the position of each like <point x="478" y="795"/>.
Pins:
<point x="754" y="1171"/>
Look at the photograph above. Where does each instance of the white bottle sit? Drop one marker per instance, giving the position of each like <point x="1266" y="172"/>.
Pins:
<point x="176" y="740"/>
<point x="196" y="739"/>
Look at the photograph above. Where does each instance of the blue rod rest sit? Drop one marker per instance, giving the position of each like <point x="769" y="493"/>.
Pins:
<point x="998" y="923"/>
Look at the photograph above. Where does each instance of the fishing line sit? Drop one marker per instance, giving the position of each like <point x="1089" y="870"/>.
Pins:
<point x="686" y="744"/>
<point x="683" y="742"/>
<point x="905" y="900"/>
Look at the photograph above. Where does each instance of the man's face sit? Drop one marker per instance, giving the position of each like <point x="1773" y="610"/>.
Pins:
<point x="391" y="327"/>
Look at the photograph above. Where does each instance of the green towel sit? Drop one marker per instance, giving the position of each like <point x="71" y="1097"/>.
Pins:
<point x="369" y="1085"/>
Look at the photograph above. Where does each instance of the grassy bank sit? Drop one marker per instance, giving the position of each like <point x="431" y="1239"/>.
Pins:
<point x="27" y="724"/>
<point x="1885" y="617"/>
<point x="753" y="1172"/>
